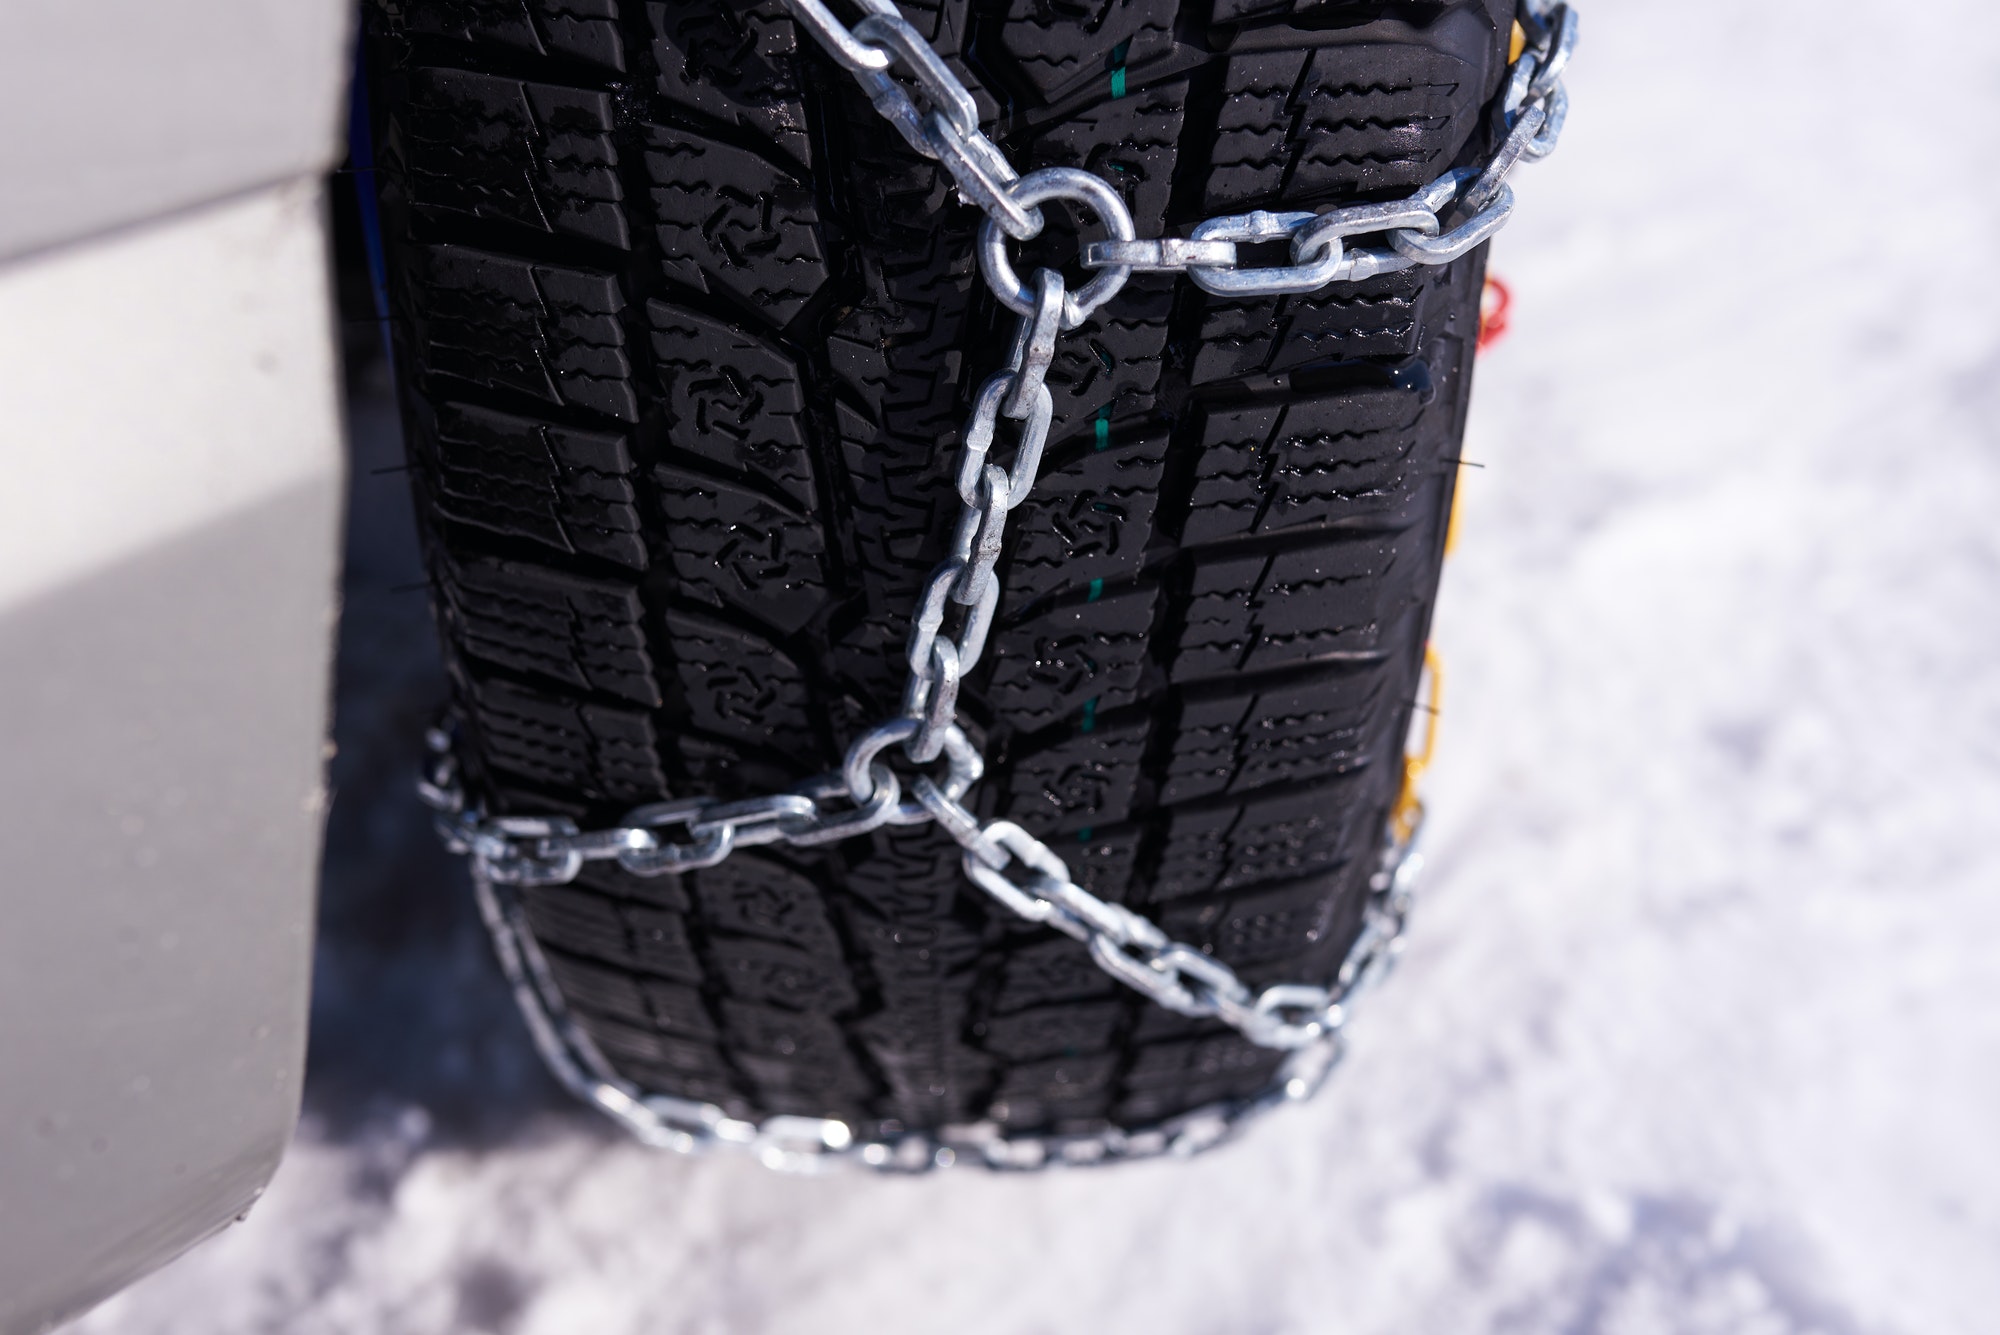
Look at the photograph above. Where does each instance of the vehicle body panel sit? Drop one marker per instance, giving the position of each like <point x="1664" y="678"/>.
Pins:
<point x="169" y="426"/>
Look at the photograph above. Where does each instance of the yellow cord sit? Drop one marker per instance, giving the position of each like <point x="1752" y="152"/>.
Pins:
<point x="1451" y="520"/>
<point x="1409" y="807"/>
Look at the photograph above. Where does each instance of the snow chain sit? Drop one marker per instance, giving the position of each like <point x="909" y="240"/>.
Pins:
<point x="1436" y="225"/>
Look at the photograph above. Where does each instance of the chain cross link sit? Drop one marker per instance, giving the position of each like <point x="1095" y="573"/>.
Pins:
<point x="938" y="116"/>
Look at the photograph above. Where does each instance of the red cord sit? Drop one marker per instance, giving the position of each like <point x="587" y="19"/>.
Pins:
<point x="1494" y="302"/>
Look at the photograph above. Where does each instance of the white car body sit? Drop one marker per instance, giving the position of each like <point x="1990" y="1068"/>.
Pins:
<point x="169" y="422"/>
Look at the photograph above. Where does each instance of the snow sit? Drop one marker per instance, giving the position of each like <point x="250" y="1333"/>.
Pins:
<point x="1698" y="1029"/>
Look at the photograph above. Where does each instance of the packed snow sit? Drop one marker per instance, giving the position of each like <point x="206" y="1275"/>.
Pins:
<point x="1698" y="1030"/>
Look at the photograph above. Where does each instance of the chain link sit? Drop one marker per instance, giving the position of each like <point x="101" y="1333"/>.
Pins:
<point x="814" y="1144"/>
<point x="939" y="117"/>
<point x="551" y="850"/>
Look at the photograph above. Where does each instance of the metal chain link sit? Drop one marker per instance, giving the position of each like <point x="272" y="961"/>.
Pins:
<point x="1436" y="225"/>
<point x="813" y="1144"/>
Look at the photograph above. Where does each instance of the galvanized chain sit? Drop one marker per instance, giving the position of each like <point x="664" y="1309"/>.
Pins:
<point x="813" y="1144"/>
<point x="1436" y="225"/>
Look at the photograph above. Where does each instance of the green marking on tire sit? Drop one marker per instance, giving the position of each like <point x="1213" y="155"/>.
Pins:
<point x="1083" y="835"/>
<point x="1102" y="426"/>
<point x="1090" y="713"/>
<point x="1096" y="590"/>
<point x="1115" y="62"/>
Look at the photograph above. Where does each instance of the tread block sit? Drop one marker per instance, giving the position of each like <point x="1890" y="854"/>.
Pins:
<point x="567" y="489"/>
<point x="756" y="897"/>
<point x="732" y="399"/>
<point x="899" y="348"/>
<point x="897" y="356"/>
<point x="601" y="753"/>
<point x="628" y="935"/>
<point x="781" y="975"/>
<point x="1276" y="609"/>
<point x="1269" y="932"/>
<point x="1224" y="1059"/>
<point x="729" y="769"/>
<point x="1068" y="1029"/>
<point x="628" y="1046"/>
<point x="685" y="1060"/>
<point x="1087" y="520"/>
<point x="584" y="30"/>
<point x="1381" y="317"/>
<point x="1132" y="142"/>
<point x="868" y="659"/>
<point x="532" y="154"/>
<point x="906" y="875"/>
<point x="913" y="959"/>
<point x="1086" y="779"/>
<point x="738" y="685"/>
<point x="1102" y="861"/>
<point x="791" y="1051"/>
<point x="1111" y="366"/>
<point x="945" y="24"/>
<point x="568" y="926"/>
<point x="1157" y="1024"/>
<point x="608" y="878"/>
<point x="1280" y="836"/>
<point x="1172" y="1078"/>
<point x="1232" y="740"/>
<point x="732" y="223"/>
<point x="1149" y="1106"/>
<point x="724" y="1090"/>
<point x="932" y="1076"/>
<point x="923" y="980"/>
<point x="539" y="330"/>
<point x="1063" y="1089"/>
<point x="584" y="633"/>
<point x="1301" y="127"/>
<point x="1052" y="664"/>
<point x="732" y="546"/>
<point x="899" y="198"/>
<point x="1050" y="971"/>
<point x="671" y="1051"/>
<point x="1324" y="460"/>
<point x="678" y="1010"/>
<point x="737" y="62"/>
<point x="588" y="986"/>
<point x="1062" y="47"/>
<point x="660" y="944"/>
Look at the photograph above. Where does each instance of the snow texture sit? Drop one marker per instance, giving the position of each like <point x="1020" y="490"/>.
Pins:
<point x="1698" y="1031"/>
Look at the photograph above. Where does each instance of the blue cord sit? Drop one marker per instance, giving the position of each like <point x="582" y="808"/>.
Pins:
<point x="361" y="153"/>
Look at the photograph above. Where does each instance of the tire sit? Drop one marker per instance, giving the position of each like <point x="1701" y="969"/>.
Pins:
<point x="684" y="337"/>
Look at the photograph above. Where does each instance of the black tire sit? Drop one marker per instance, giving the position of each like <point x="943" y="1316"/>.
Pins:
<point x="685" y="335"/>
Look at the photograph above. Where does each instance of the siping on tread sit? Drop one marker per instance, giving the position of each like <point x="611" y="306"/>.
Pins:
<point x="686" y="334"/>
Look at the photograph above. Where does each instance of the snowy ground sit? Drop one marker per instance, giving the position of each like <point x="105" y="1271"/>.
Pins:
<point x="1699" y="1031"/>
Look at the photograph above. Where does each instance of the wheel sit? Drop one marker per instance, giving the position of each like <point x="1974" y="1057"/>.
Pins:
<point x="685" y="335"/>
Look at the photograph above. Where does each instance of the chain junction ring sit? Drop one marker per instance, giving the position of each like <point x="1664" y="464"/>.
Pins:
<point x="999" y="456"/>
